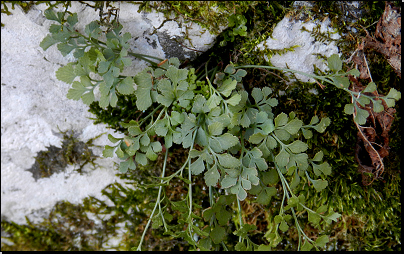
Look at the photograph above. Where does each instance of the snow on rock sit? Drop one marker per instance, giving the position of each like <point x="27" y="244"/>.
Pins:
<point x="34" y="105"/>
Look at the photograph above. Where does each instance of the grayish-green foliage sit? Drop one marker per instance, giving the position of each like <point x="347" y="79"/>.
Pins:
<point x="234" y="142"/>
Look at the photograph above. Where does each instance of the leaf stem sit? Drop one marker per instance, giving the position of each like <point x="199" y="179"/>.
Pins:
<point x="157" y="203"/>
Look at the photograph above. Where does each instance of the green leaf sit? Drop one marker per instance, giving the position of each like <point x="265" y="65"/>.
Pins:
<point x="306" y="246"/>
<point x="161" y="127"/>
<point x="281" y="119"/>
<point x="240" y="246"/>
<point x="295" y="181"/>
<point x="256" y="138"/>
<point x="354" y="72"/>
<point x="282" y="134"/>
<point x="241" y="194"/>
<point x="389" y="102"/>
<point x="167" y="94"/>
<point x="47" y="42"/>
<point x="361" y="116"/>
<point x="200" y="105"/>
<point x="50" y="14"/>
<point x="307" y="133"/>
<point x="234" y="100"/>
<point x="176" y="75"/>
<point x="103" y="66"/>
<point x="370" y="88"/>
<point x="145" y="140"/>
<point x="322" y="240"/>
<point x="78" y="53"/>
<point x="270" y="177"/>
<point x="113" y="139"/>
<point x="333" y="216"/>
<point x="76" y="91"/>
<point x="377" y="106"/>
<point x="135" y="130"/>
<point x="123" y="166"/>
<point x="156" y="146"/>
<point x="213" y="101"/>
<point x="228" y="161"/>
<point x="119" y="152"/>
<point x="176" y="118"/>
<point x="320" y="184"/>
<point x="88" y="98"/>
<point x="143" y="92"/>
<point x="283" y="226"/>
<point x="324" y="168"/>
<point x="205" y="244"/>
<point x="314" y="120"/>
<point x="301" y="160"/>
<point x="251" y="175"/>
<point x="114" y="99"/>
<point x="227" y="87"/>
<point x="334" y="63"/>
<point x="363" y="101"/>
<point x="215" y="128"/>
<point x="150" y="154"/>
<point x="62" y="36"/>
<point x="223" y="142"/>
<point x="126" y="86"/>
<point x="108" y="151"/>
<point x="197" y="166"/>
<point x="244" y="229"/>
<point x="297" y="146"/>
<point x="66" y="73"/>
<point x="72" y="19"/>
<point x="65" y="48"/>
<point x="318" y="156"/>
<point x="393" y="93"/>
<point x="322" y="125"/>
<point x="230" y="69"/>
<point x="271" y="142"/>
<point x="314" y="218"/>
<point x="263" y="247"/>
<point x="141" y="158"/>
<point x="228" y="181"/>
<point x="54" y="29"/>
<point x="223" y="216"/>
<point x="341" y="82"/>
<point x="212" y="176"/>
<point x="266" y="194"/>
<point x="217" y="234"/>
<point x="349" y="109"/>
<point x="282" y="158"/>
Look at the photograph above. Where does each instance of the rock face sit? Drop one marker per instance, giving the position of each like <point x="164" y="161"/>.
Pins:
<point x="34" y="104"/>
<point x="288" y="34"/>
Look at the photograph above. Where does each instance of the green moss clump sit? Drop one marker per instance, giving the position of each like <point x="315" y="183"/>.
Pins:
<point x="55" y="159"/>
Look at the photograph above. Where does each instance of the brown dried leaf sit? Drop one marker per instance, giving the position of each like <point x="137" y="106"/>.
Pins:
<point x="387" y="39"/>
<point x="372" y="139"/>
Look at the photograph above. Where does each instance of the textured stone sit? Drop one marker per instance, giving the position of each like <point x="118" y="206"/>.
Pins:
<point x="34" y="105"/>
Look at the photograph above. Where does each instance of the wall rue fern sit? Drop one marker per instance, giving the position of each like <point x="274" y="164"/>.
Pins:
<point x="232" y="137"/>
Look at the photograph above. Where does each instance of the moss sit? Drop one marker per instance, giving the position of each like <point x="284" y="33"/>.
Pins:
<point x="55" y="159"/>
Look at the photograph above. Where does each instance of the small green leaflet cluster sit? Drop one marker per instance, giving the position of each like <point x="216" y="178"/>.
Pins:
<point x="169" y="89"/>
<point x="237" y="21"/>
<point x="94" y="60"/>
<point x="360" y="99"/>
